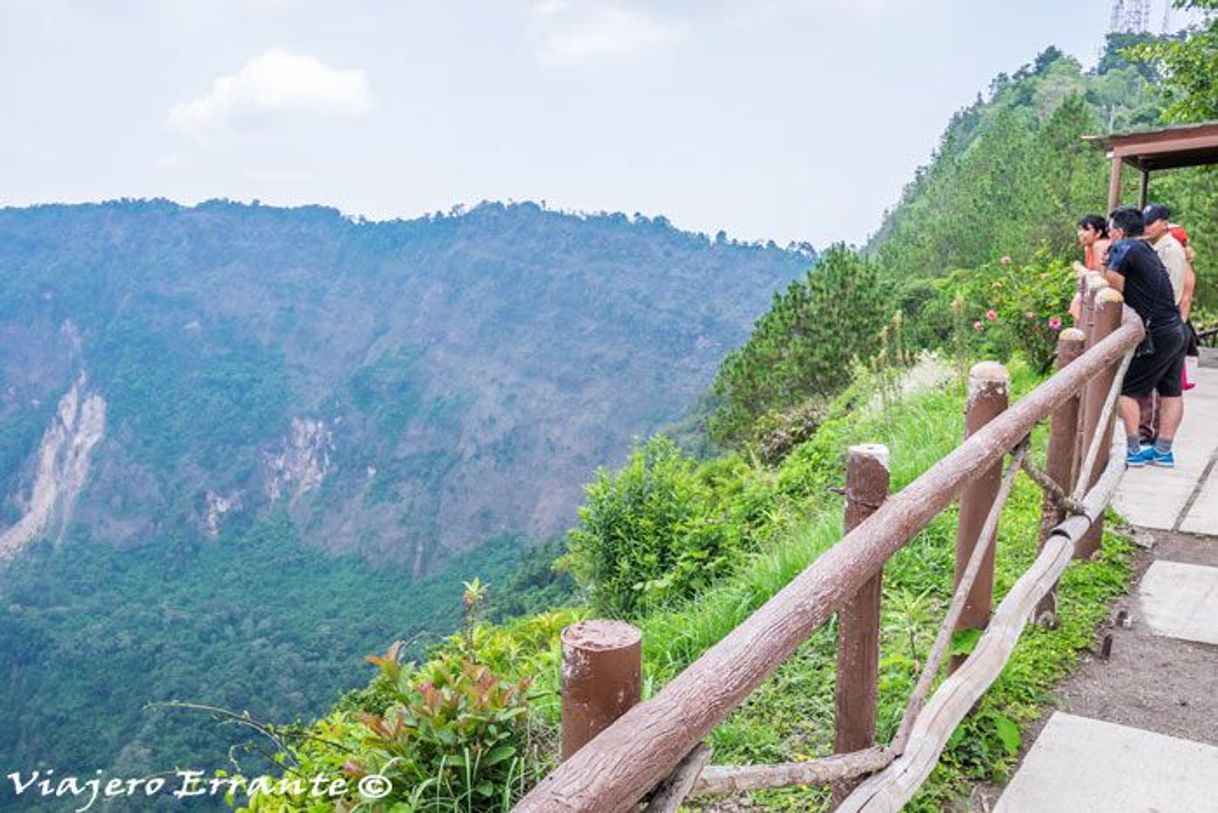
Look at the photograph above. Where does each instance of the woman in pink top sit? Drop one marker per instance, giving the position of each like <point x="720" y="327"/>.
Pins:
<point x="1093" y="237"/>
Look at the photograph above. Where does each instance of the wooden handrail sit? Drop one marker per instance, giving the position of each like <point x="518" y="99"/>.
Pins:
<point x="888" y="790"/>
<point x="623" y="763"/>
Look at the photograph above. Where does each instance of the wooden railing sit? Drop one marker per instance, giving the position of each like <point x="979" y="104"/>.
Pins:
<point x="655" y="749"/>
<point x="1208" y="337"/>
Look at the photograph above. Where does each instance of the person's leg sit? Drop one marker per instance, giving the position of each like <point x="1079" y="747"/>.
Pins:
<point x="1157" y="420"/>
<point x="1172" y="410"/>
<point x="1140" y="380"/>
<point x="1171" y="407"/>
<point x="1128" y="409"/>
<point x="1147" y="418"/>
<point x="1131" y="413"/>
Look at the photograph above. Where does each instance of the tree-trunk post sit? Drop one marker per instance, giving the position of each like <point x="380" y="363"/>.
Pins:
<point x="1114" y="186"/>
<point x="1109" y="307"/>
<point x="1060" y="461"/>
<point x="602" y="677"/>
<point x="988" y="396"/>
<point x="858" y="632"/>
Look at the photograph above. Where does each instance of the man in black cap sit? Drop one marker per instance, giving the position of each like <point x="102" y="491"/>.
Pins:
<point x="1134" y="269"/>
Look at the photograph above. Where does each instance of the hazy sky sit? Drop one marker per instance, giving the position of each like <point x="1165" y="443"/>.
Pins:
<point x="783" y="119"/>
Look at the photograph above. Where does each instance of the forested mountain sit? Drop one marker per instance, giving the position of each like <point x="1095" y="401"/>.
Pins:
<point x="242" y="446"/>
<point x="1012" y="174"/>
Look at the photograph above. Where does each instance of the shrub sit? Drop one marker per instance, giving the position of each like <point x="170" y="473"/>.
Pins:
<point x="1013" y="307"/>
<point x="459" y="736"/>
<point x="649" y="532"/>
<point x="452" y="734"/>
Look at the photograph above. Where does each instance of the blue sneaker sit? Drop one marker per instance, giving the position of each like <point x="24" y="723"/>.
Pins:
<point x="1139" y="459"/>
<point x="1164" y="460"/>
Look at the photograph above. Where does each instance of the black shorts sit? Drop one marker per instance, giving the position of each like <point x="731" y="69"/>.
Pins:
<point x="1162" y="370"/>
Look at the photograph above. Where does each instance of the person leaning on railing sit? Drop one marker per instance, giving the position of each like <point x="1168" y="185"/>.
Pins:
<point x="1094" y="240"/>
<point x="1134" y="269"/>
<point x="1168" y="243"/>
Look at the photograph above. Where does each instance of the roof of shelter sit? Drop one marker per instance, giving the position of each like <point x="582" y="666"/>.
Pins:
<point x="1184" y="145"/>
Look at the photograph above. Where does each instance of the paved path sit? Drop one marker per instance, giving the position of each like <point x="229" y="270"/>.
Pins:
<point x="1138" y="732"/>
<point x="1184" y="498"/>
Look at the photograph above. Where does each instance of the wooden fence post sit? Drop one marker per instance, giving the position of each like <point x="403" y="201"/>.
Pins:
<point x="858" y="632"/>
<point x="1060" y="459"/>
<point x="1109" y="307"/>
<point x="602" y="677"/>
<point x="988" y="396"/>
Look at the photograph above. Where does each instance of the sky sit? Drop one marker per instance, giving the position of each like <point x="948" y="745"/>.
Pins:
<point x="792" y="120"/>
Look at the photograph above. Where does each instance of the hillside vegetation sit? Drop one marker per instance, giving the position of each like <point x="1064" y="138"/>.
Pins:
<point x="304" y="431"/>
<point x="976" y="257"/>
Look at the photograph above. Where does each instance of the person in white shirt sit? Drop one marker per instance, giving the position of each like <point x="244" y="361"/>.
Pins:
<point x="1171" y="251"/>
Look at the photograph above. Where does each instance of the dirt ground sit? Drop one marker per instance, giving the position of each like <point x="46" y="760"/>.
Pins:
<point x="1148" y="682"/>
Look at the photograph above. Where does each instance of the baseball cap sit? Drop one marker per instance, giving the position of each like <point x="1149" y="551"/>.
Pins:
<point x="1156" y="211"/>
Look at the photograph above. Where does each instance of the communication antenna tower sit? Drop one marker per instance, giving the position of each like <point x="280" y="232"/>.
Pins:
<point x="1130" y="16"/>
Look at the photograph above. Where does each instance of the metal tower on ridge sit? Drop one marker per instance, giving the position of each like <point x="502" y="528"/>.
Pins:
<point x="1130" y="16"/>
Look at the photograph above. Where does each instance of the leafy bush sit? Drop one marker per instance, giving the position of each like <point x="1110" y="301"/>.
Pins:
<point x="648" y="533"/>
<point x="459" y="735"/>
<point x="1015" y="307"/>
<point x="456" y="733"/>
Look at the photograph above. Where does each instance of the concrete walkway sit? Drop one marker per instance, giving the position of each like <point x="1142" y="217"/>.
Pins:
<point x="1138" y="732"/>
<point x="1184" y="498"/>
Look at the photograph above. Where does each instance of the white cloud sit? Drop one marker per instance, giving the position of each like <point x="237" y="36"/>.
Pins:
<point x="574" y="31"/>
<point x="837" y="8"/>
<point x="170" y="160"/>
<point x="271" y="85"/>
<point x="277" y="176"/>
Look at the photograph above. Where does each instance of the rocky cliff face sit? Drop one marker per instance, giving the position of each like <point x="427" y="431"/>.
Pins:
<point x="61" y="470"/>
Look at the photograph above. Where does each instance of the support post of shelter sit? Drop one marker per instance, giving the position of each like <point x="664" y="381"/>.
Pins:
<point x="858" y="636"/>
<point x="1144" y="194"/>
<point x="1114" y="185"/>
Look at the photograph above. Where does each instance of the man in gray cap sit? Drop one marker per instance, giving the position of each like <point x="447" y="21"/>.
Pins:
<point x="1158" y="231"/>
<point x="1157" y="218"/>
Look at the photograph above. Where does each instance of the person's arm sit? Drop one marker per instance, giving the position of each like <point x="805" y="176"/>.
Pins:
<point x="1114" y="279"/>
<point x="1186" y="297"/>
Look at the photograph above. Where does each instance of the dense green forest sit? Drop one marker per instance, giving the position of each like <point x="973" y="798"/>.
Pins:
<point x="314" y="429"/>
<point x="973" y="263"/>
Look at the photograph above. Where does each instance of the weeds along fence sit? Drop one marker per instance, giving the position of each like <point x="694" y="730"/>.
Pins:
<point x="654" y="752"/>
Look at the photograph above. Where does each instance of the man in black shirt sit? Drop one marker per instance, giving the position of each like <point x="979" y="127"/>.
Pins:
<point x="1134" y="269"/>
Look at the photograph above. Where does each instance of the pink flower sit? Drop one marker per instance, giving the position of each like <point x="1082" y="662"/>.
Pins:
<point x="977" y="326"/>
<point x="1055" y="323"/>
<point x="991" y="315"/>
<point x="1005" y="260"/>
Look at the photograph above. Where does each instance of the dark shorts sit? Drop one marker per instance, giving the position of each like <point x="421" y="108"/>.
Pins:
<point x="1162" y="370"/>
